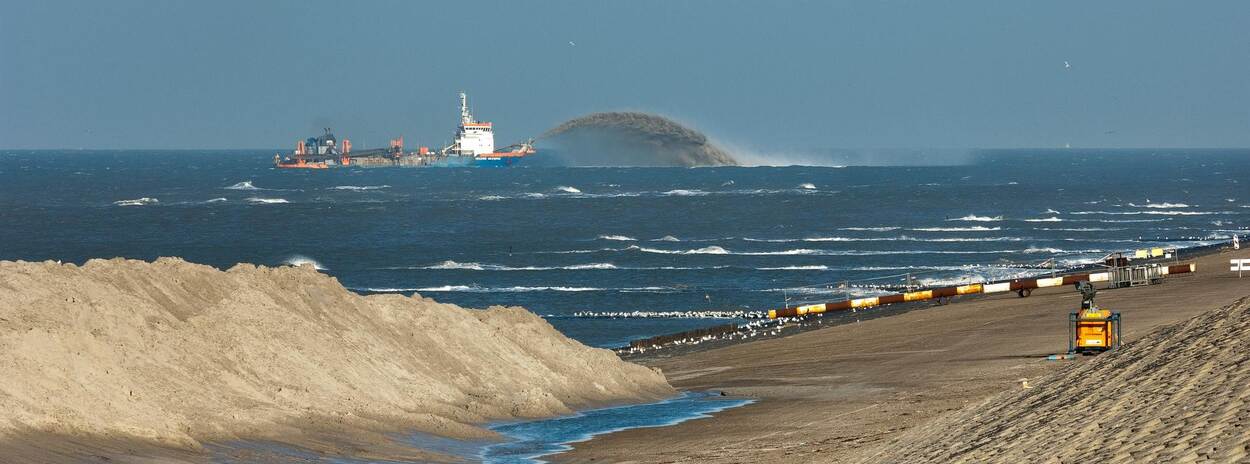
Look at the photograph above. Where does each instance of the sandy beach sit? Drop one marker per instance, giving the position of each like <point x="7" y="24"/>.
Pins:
<point x="841" y="394"/>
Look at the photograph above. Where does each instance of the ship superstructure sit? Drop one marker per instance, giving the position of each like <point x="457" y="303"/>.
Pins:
<point x="472" y="137"/>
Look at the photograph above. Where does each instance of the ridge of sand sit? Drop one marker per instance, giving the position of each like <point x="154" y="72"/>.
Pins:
<point x="1178" y="394"/>
<point x="178" y="354"/>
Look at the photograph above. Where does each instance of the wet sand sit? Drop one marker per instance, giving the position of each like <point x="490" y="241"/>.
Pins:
<point x="838" y="394"/>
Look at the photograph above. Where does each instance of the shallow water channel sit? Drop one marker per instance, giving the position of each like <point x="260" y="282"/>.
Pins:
<point x="524" y="441"/>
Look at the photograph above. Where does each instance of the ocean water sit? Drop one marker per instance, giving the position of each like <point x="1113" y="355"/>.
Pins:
<point x="529" y="441"/>
<point x="521" y="442"/>
<point x="561" y="241"/>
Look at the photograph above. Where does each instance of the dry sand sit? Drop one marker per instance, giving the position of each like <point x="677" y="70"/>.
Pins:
<point x="1178" y="394"/>
<point x="130" y="360"/>
<point x="848" y="393"/>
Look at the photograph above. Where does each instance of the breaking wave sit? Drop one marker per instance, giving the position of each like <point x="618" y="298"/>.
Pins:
<point x="1049" y="219"/>
<point x="567" y="189"/>
<point x="973" y="217"/>
<point x="620" y="238"/>
<point x="245" y="185"/>
<point x="685" y="193"/>
<point x="1160" y="205"/>
<point x="137" y="202"/>
<point x="452" y="265"/>
<point x="266" y="201"/>
<point x="1084" y="229"/>
<point x="711" y="250"/>
<point x="1158" y="213"/>
<point x="807" y="186"/>
<point x="359" y="188"/>
<point x="873" y="229"/>
<point x="957" y="229"/>
<point x="795" y="268"/>
<point x="901" y="238"/>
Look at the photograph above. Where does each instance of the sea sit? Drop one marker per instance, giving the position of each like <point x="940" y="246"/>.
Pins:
<point x="608" y="255"/>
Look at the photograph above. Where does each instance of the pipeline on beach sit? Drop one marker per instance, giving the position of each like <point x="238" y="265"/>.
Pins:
<point x="1022" y="286"/>
<point x="777" y="319"/>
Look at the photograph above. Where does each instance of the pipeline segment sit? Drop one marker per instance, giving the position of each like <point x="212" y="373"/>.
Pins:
<point x="1016" y="285"/>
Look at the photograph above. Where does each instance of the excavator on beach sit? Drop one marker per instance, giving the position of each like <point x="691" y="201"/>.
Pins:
<point x="1092" y="330"/>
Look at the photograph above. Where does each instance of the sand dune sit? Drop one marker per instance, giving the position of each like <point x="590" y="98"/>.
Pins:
<point x="1178" y="394"/>
<point x="178" y="354"/>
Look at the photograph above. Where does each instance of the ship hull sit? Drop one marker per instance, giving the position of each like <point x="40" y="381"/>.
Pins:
<point x="497" y="161"/>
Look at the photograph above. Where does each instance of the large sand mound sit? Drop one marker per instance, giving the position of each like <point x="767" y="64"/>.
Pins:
<point x="1179" y="394"/>
<point x="175" y="353"/>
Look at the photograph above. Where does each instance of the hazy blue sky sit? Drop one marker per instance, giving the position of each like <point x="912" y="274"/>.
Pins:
<point x="769" y="76"/>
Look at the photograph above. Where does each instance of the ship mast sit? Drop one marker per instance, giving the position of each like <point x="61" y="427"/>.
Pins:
<point x="465" y="117"/>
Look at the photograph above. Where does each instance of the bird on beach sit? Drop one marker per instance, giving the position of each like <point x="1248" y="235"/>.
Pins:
<point x="1024" y="383"/>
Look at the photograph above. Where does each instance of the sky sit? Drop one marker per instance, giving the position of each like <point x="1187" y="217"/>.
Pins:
<point x="781" y="76"/>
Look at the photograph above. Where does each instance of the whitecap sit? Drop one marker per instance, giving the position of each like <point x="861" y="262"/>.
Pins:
<point x="215" y="200"/>
<point x="872" y="229"/>
<point x="807" y="186"/>
<point x="360" y="188"/>
<point x="491" y="198"/>
<point x="137" y="202"/>
<point x="1049" y="219"/>
<point x="957" y="229"/>
<point x="567" y="189"/>
<point x="973" y="217"/>
<point x="667" y="238"/>
<point x="1160" y="205"/>
<point x="455" y="265"/>
<point x="795" y="268"/>
<point x="711" y="250"/>
<point x="619" y="238"/>
<point x="266" y="201"/>
<point x="685" y="193"/>
<point x="245" y="185"/>
<point x="591" y="266"/>
<point x="1084" y="229"/>
<point x="471" y="266"/>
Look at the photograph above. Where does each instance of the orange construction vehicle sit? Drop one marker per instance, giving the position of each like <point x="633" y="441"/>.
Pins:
<point x="1092" y="330"/>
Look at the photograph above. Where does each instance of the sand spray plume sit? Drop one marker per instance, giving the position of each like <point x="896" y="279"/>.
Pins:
<point x="634" y="139"/>
<point x="646" y="139"/>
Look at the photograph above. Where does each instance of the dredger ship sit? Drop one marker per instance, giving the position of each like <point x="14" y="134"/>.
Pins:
<point x="473" y="146"/>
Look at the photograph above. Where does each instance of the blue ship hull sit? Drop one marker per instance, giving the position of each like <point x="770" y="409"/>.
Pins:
<point x="472" y="162"/>
<point x="496" y="162"/>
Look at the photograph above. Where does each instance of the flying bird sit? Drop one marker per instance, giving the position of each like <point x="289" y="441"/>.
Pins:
<point x="1066" y="65"/>
<point x="571" y="44"/>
